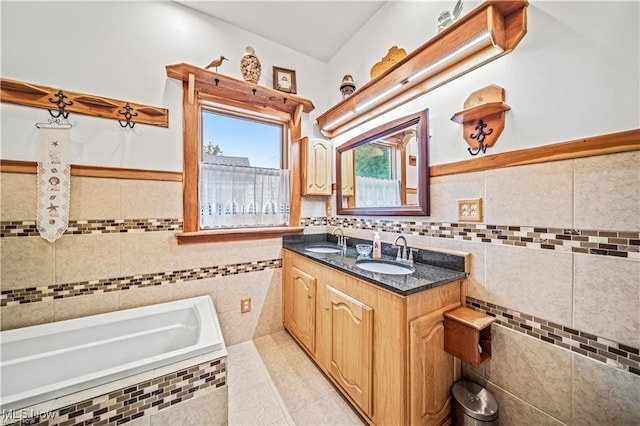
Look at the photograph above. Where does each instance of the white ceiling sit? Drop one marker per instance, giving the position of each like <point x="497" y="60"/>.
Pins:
<point x="316" y="28"/>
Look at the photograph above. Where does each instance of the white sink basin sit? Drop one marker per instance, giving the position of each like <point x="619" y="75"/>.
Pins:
<point x="323" y="249"/>
<point x="385" y="267"/>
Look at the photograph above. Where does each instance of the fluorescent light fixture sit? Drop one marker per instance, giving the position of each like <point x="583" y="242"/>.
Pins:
<point x="480" y="38"/>
<point x="330" y="124"/>
<point x="382" y="95"/>
<point x="483" y="36"/>
<point x="477" y="39"/>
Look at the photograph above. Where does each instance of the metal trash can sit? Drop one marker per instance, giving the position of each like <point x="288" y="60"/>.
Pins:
<point x="473" y="405"/>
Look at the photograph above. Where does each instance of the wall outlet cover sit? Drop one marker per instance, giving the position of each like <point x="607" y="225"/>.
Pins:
<point x="470" y="210"/>
<point x="245" y="305"/>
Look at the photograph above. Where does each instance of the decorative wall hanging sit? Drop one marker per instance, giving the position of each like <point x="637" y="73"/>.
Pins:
<point x="54" y="182"/>
<point x="394" y="55"/>
<point x="284" y="80"/>
<point x="250" y="66"/>
<point x="347" y="87"/>
<point x="447" y="18"/>
<point x="65" y="101"/>
<point x="482" y="118"/>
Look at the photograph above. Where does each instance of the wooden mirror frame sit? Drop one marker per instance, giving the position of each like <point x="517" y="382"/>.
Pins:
<point x="422" y="208"/>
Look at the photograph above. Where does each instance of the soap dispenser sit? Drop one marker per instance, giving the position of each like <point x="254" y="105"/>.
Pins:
<point x="377" y="249"/>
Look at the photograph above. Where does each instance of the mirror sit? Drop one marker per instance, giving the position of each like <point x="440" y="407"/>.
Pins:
<point x="385" y="171"/>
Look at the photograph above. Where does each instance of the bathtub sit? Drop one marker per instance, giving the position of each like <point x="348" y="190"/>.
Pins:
<point x="47" y="361"/>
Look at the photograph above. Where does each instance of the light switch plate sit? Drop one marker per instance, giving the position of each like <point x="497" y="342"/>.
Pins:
<point x="470" y="210"/>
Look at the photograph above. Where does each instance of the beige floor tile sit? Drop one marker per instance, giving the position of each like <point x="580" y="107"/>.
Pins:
<point x="271" y="378"/>
<point x="324" y="411"/>
<point x="255" y="406"/>
<point x="300" y="382"/>
<point x="273" y="341"/>
<point x="354" y="418"/>
<point x="285" y="359"/>
<point x="281" y="422"/>
<point x="245" y="369"/>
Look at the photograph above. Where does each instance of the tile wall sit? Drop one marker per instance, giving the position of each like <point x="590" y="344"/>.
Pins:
<point x="120" y="252"/>
<point x="557" y="262"/>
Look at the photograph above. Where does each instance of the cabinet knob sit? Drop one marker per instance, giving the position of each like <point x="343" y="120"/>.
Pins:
<point x="326" y="308"/>
<point x="309" y="296"/>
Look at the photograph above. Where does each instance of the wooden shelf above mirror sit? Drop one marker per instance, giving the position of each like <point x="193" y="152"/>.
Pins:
<point x="491" y="30"/>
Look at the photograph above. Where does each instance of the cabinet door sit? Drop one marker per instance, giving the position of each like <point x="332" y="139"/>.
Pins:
<point x="300" y="310"/>
<point x="316" y="166"/>
<point x="351" y="347"/>
<point x="432" y="371"/>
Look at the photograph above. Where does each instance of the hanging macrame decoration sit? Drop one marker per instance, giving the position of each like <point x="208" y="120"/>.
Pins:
<point x="54" y="183"/>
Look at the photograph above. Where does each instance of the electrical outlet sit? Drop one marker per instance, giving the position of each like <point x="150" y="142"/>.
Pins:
<point x="470" y="210"/>
<point x="245" y="305"/>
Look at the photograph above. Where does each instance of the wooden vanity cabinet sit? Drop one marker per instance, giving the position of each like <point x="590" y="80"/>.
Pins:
<point x="383" y="351"/>
<point x="299" y="301"/>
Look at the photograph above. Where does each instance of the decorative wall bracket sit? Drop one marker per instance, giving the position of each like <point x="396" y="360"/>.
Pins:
<point x="482" y="118"/>
<point x="61" y="102"/>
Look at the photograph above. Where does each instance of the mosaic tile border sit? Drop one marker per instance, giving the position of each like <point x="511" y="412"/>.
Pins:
<point x="125" y="405"/>
<point x="61" y="291"/>
<point x="27" y="228"/>
<point x="605" y="243"/>
<point x="598" y="348"/>
<point x="313" y="221"/>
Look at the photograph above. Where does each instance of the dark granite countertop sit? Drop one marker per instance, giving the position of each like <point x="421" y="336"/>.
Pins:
<point x="432" y="268"/>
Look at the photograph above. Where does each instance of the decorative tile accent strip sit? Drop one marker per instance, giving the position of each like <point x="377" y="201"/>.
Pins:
<point x="606" y="243"/>
<point x="598" y="348"/>
<point x="125" y="405"/>
<point x="313" y="221"/>
<point x="61" y="291"/>
<point x="27" y="228"/>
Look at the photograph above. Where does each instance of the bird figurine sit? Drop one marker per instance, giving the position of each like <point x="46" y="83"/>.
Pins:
<point x="216" y="63"/>
<point x="446" y="18"/>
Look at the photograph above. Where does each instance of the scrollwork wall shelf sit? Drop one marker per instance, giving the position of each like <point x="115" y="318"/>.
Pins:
<point x="34" y="95"/>
<point x="482" y="118"/>
<point x="489" y="31"/>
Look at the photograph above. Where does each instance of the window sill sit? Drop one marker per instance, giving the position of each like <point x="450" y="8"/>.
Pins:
<point x="238" y="234"/>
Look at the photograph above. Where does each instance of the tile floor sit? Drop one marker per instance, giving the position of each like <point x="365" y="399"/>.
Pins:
<point x="273" y="382"/>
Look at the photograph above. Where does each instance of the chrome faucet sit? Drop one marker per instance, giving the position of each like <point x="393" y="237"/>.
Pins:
<point x="405" y="255"/>
<point x="342" y="240"/>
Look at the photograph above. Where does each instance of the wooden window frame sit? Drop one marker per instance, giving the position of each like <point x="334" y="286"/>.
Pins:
<point x="206" y="87"/>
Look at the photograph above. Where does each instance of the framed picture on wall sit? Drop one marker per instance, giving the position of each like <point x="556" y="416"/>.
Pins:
<point x="284" y="80"/>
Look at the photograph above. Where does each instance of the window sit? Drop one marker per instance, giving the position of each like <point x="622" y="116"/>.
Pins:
<point x="244" y="181"/>
<point x="203" y="88"/>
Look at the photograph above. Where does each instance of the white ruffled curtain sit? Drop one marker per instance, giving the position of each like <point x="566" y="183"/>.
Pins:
<point x="236" y="196"/>
<point x="374" y="192"/>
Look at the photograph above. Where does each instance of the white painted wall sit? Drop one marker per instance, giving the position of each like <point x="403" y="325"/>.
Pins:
<point x="120" y="50"/>
<point x="575" y="73"/>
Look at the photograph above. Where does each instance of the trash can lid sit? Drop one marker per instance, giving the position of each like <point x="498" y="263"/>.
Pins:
<point x="475" y="400"/>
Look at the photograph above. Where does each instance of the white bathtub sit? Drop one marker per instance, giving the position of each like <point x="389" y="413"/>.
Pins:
<point x="47" y="361"/>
